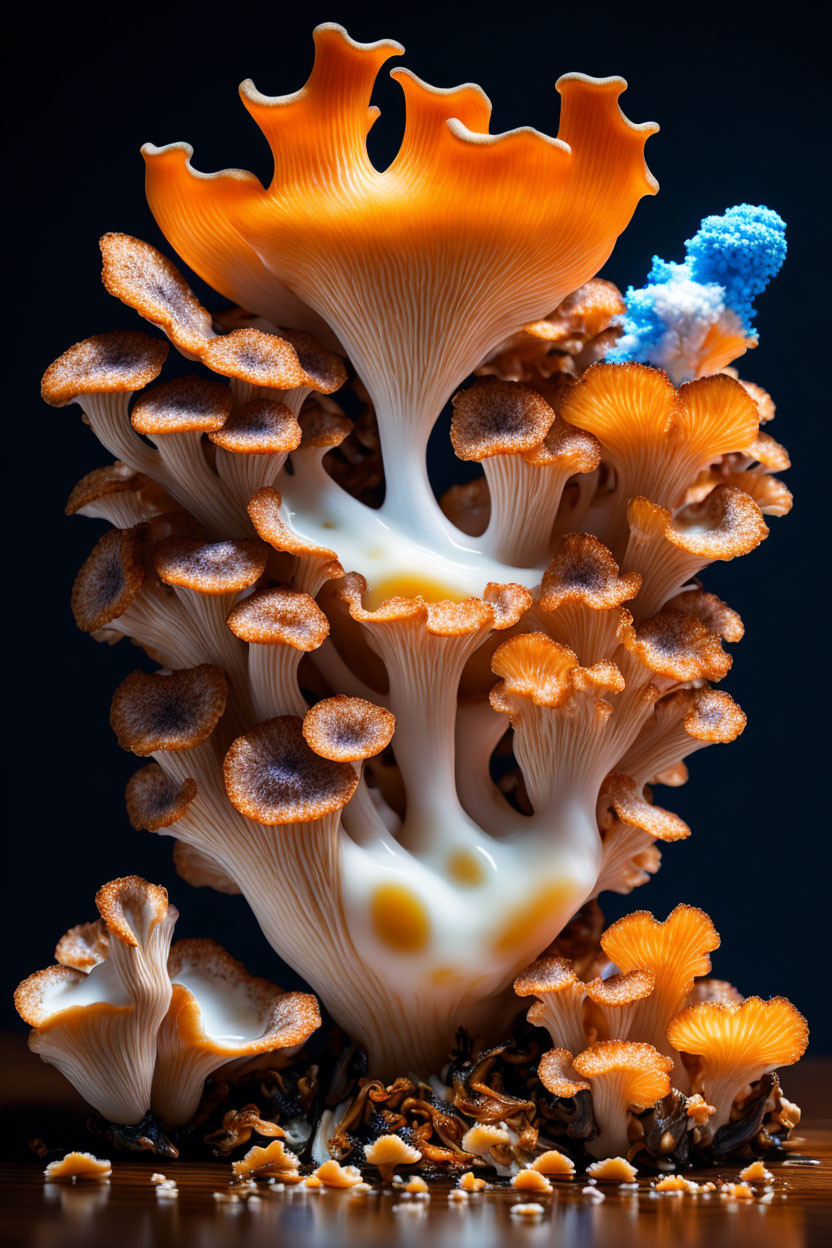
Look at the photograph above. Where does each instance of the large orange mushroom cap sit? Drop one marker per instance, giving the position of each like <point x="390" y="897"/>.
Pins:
<point x="623" y="1076"/>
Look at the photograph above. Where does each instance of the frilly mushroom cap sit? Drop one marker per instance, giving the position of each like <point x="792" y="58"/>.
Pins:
<point x="675" y="951"/>
<point x="528" y="1180"/>
<point x="556" y="1072"/>
<point x="264" y="513"/>
<point x="762" y="398"/>
<point x="587" y="311"/>
<point x="168" y="712"/>
<point x="726" y="524"/>
<point x="348" y="729"/>
<point x="275" y="617"/>
<point x="272" y="1160"/>
<point x="677" y="645"/>
<point x="508" y="602"/>
<point x="762" y="1034"/>
<point x="494" y="417"/>
<point x="210" y="567"/>
<point x="536" y="669"/>
<point x="322" y="428"/>
<point x="124" y="360"/>
<point x="584" y="570"/>
<point x="620" y="990"/>
<point x="643" y="1071"/>
<point x="109" y="579"/>
<point x="325" y="370"/>
<point x="553" y="1162"/>
<point x="547" y="975"/>
<point x="146" y="280"/>
<point x="612" y="1170"/>
<point x="77" y="1165"/>
<point x="573" y="450"/>
<point x="268" y="360"/>
<point x="154" y="800"/>
<point x="273" y="777"/>
<point x="115" y="478"/>
<point x="482" y="1137"/>
<point x="131" y="907"/>
<point x="260" y="427"/>
<point x="712" y="611"/>
<point x="186" y="405"/>
<point x="389" y="1151"/>
<point x="632" y="807"/>
<point x="714" y="717"/>
<point x="719" y="413"/>
<point x="84" y="946"/>
<point x="240" y="1014"/>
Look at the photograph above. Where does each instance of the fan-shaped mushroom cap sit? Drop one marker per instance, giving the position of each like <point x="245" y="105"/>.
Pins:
<point x="274" y="1160"/>
<point x="332" y="1174"/>
<point x="553" y="1163"/>
<point x="494" y="417"/>
<point x="557" y="1074"/>
<point x="724" y="525"/>
<point x="677" y="646"/>
<point x="736" y="1044"/>
<point x="529" y="1180"/>
<point x="482" y="1138"/>
<point x="584" y="571"/>
<point x="218" y="1012"/>
<point x="632" y="807"/>
<point x="155" y="800"/>
<point x="121" y="361"/>
<point x="176" y="711"/>
<point x="109" y="579"/>
<point x="273" y="777"/>
<point x="209" y="567"/>
<point x="186" y="405"/>
<point x="77" y="1165"/>
<point x="83" y="946"/>
<point x="98" y="1026"/>
<point x="712" y="611"/>
<point x="348" y="729"/>
<point x="260" y="427"/>
<point x="612" y="1170"/>
<point x="117" y="494"/>
<point x="276" y="362"/>
<point x="389" y="1151"/>
<point x="545" y="673"/>
<point x="146" y="280"/>
<point x="714" y="717"/>
<point x="274" y="617"/>
<point x="623" y="1076"/>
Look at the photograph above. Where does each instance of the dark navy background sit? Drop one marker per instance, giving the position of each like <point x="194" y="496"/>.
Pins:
<point x="742" y="119"/>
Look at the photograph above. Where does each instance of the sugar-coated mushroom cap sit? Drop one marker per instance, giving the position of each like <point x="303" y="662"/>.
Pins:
<point x="185" y="405"/>
<point x="536" y="669"/>
<point x="553" y="1162"/>
<point x="509" y="603"/>
<point x="325" y="370"/>
<point x="391" y="1150"/>
<point x="530" y="1180"/>
<point x="268" y="360"/>
<point x="348" y="729"/>
<point x="674" y="644"/>
<point x="620" y="990"/>
<point x="494" y="417"/>
<point x="714" y="717"/>
<point x="260" y="427"/>
<point x="566" y="447"/>
<point x="277" y="1019"/>
<point x="84" y="946"/>
<point x="548" y="974"/>
<point x="273" y="777"/>
<point x="632" y="807"/>
<point x="584" y="570"/>
<point x="210" y="567"/>
<point x="109" y="579"/>
<point x="644" y="1072"/>
<point x="124" y="360"/>
<point x="131" y="905"/>
<point x="725" y="524"/>
<point x="155" y="800"/>
<point x="264" y="513"/>
<point x="712" y="611"/>
<point x="730" y="1035"/>
<point x="441" y="619"/>
<point x="274" y="617"/>
<point x="612" y="1170"/>
<point x="140" y="276"/>
<point x="556" y="1072"/>
<point x="676" y="951"/>
<point x="322" y="428"/>
<point x="77" y="1165"/>
<point x="115" y="478"/>
<point x="176" y="711"/>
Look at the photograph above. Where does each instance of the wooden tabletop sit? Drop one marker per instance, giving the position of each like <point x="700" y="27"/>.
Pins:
<point x="128" y="1212"/>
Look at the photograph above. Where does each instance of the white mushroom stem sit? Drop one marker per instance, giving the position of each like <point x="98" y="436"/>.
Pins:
<point x="524" y="503"/>
<point x="273" y="673"/>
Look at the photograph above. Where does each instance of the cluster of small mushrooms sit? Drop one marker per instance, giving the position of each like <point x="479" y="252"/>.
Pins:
<point x="418" y="736"/>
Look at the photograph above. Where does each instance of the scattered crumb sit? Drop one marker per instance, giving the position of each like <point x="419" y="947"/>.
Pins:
<point x="526" y="1211"/>
<point x="553" y="1163"/>
<point x="766" y="1198"/>
<point x="312" y="1181"/>
<point x="226" y="1198"/>
<point x="736" y="1191"/>
<point x="676" y="1185"/>
<point x="612" y="1170"/>
<point x="458" y="1196"/>
<point x="333" y="1174"/>
<point x="629" y="1187"/>
<point x="362" y="1188"/>
<point x="410" y="1206"/>
<point x="416" y="1184"/>
<point x="158" y="1178"/>
<point x="705" y="1189"/>
<point x="531" y="1181"/>
<point x="469" y="1182"/>
<point x="593" y="1192"/>
<point x="756" y="1173"/>
<point x="79" y="1166"/>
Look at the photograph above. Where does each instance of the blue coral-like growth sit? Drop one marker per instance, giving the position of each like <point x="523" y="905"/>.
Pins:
<point x="728" y="262"/>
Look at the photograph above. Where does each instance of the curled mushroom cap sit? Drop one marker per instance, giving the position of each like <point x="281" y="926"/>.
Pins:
<point x="620" y="990"/>
<point x="121" y="361"/>
<point x="98" y="1025"/>
<point x="632" y="807"/>
<point x="261" y="427"/>
<point x="388" y="1152"/>
<point x="273" y="777"/>
<point x="543" y="672"/>
<point x="678" y="646"/>
<point x="494" y="417"/>
<point x="218" y="1012"/>
<point x="557" y="1074"/>
<point x="623" y="1076"/>
<point x="566" y="448"/>
<point x="736" y="1044"/>
<point x="725" y="524"/>
<point x="83" y="946"/>
<point x="176" y="711"/>
<point x="264" y="512"/>
<point x="146" y="280"/>
<point x="348" y="729"/>
<point x="323" y="428"/>
<point x="186" y="405"/>
<point x="103" y="483"/>
<point x="109" y="579"/>
<point x="274" y="617"/>
<point x="155" y="800"/>
<point x="584" y="570"/>
<point x="712" y="611"/>
<point x="714" y="717"/>
<point x="209" y="567"/>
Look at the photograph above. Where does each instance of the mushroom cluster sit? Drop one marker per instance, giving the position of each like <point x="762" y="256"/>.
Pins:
<point x="137" y="1024"/>
<point x="416" y="734"/>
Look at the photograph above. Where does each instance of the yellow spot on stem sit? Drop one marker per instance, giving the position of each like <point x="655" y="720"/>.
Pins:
<point x="399" y="918"/>
<point x="465" y="868"/>
<point x="522" y="923"/>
